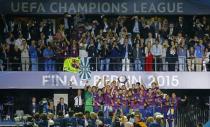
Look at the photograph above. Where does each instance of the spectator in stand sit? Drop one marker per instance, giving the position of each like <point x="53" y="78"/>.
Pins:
<point x="198" y="27"/>
<point x="104" y="27"/>
<point x="68" y="24"/>
<point x="180" y="26"/>
<point x="208" y="65"/>
<point x="138" y="52"/>
<point x="24" y="48"/>
<point x="19" y="41"/>
<point x="150" y="39"/>
<point x="40" y="48"/>
<point x="157" y="53"/>
<point x="171" y="56"/>
<point x="191" y="59"/>
<point x="103" y="55"/>
<point x="60" y="35"/>
<point x="3" y="56"/>
<point x="164" y="50"/>
<point x="136" y="57"/>
<point x="10" y="40"/>
<point x="95" y="28"/>
<point x="192" y="42"/>
<point x="137" y="25"/>
<point x="130" y="40"/>
<point x="182" y="53"/>
<point x="92" y="53"/>
<point x="74" y="49"/>
<point x="148" y="57"/>
<point x="15" y="55"/>
<point x="33" y="56"/>
<point x="148" y="31"/>
<point x="166" y="32"/>
<point x="206" y="59"/>
<point x="48" y="55"/>
<point x="126" y="51"/>
<point x="115" y="56"/>
<point x="171" y="31"/>
<point x="83" y="47"/>
<point x="140" y="41"/>
<point x="199" y="52"/>
<point x="156" y="26"/>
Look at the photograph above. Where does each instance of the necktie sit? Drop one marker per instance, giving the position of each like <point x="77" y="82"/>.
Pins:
<point x="137" y="52"/>
<point x="63" y="109"/>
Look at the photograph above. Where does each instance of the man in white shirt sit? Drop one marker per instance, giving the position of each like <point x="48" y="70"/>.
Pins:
<point x="24" y="55"/>
<point x="10" y="40"/>
<point x="78" y="102"/>
<point x="19" y="41"/>
<point x="157" y="53"/>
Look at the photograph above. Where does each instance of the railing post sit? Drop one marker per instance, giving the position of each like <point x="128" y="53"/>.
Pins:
<point x="7" y="64"/>
<point x="185" y="65"/>
<point x="96" y="64"/>
<point x="126" y="64"/>
<point x="155" y="63"/>
<point x="209" y="108"/>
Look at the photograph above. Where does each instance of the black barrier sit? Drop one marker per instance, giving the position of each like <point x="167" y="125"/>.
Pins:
<point x="191" y="117"/>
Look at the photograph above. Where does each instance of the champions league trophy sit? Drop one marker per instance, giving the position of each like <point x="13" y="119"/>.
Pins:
<point x="122" y="79"/>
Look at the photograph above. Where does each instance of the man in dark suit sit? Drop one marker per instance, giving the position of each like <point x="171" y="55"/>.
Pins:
<point x="138" y="55"/>
<point x="180" y="26"/>
<point x="33" y="107"/>
<point x="92" y="53"/>
<point x="68" y="24"/>
<point x="62" y="107"/>
<point x="136" y="25"/>
<point x="126" y="54"/>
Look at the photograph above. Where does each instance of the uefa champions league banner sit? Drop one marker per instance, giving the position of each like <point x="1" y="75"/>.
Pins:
<point x="67" y="80"/>
<point x="124" y="7"/>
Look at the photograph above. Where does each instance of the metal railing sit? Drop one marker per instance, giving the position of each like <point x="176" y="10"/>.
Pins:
<point x="146" y="64"/>
<point x="191" y="116"/>
<point x="109" y="64"/>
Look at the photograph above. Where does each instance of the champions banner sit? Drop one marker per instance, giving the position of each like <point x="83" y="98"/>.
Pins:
<point x="124" y="7"/>
<point x="66" y="80"/>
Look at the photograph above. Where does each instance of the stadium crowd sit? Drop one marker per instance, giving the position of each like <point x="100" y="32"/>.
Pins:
<point x="113" y="105"/>
<point x="113" y="43"/>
